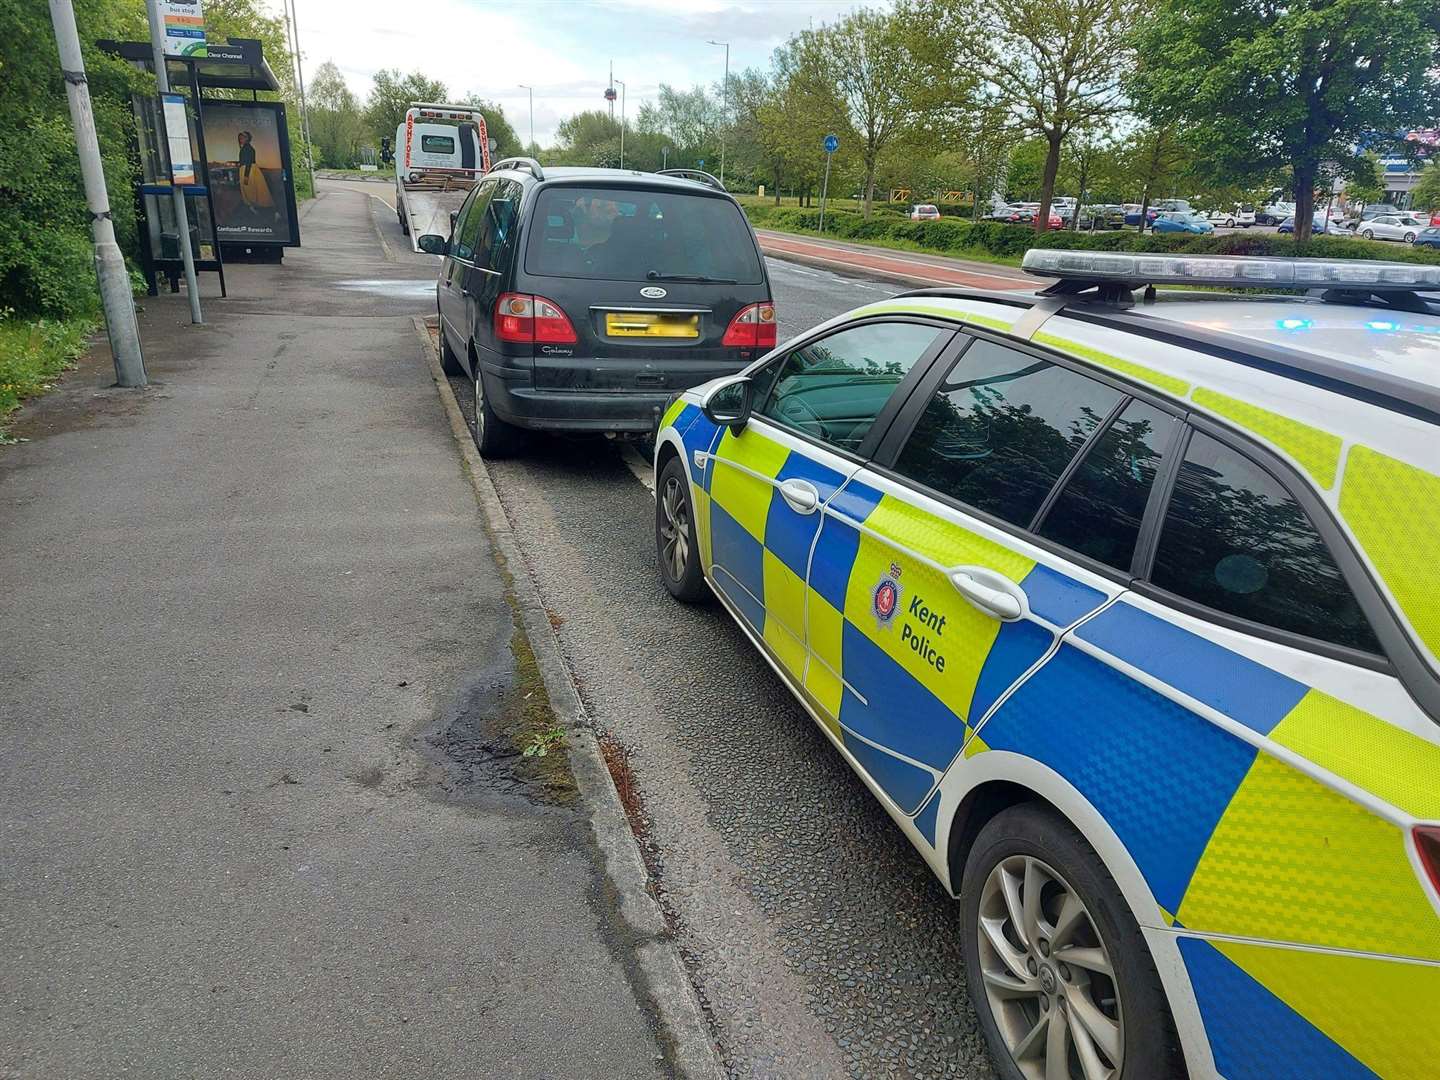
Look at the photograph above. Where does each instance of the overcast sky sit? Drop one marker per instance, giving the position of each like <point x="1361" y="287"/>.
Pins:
<point x="562" y="47"/>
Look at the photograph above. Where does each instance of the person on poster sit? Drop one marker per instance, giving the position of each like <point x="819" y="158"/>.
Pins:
<point x="253" y="189"/>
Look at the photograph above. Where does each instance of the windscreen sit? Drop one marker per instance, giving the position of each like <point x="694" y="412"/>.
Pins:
<point x="624" y="234"/>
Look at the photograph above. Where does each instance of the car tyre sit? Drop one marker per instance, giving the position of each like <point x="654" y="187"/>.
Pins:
<point x="677" y="547"/>
<point x="404" y="222"/>
<point x="449" y="362"/>
<point x="494" y="438"/>
<point x="1029" y="849"/>
<point x="1368" y="234"/>
<point x="1409" y="238"/>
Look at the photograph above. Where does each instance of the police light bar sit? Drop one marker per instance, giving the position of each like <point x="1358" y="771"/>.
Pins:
<point x="1233" y="271"/>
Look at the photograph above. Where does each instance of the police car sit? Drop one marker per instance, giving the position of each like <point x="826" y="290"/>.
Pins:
<point x="1126" y="607"/>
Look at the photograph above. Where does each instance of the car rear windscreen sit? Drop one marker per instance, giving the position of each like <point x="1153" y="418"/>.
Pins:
<point x="437" y="144"/>
<point x="625" y="234"/>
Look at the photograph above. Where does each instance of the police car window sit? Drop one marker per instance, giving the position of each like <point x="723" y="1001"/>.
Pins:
<point x="834" y="388"/>
<point x="1234" y="540"/>
<point x="1099" y="511"/>
<point x="1001" y="429"/>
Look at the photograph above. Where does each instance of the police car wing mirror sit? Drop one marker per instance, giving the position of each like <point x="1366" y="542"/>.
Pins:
<point x="992" y="593"/>
<point x="728" y="403"/>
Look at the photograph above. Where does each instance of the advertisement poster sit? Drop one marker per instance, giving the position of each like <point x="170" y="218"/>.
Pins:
<point x="248" y="149"/>
<point x="184" y="27"/>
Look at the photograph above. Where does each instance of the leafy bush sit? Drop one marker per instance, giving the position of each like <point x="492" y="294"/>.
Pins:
<point x="33" y="353"/>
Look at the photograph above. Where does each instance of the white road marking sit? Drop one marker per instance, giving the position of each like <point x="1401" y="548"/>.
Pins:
<point x="637" y="463"/>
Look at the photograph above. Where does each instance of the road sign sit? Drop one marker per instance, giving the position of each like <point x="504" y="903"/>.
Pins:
<point x="832" y="143"/>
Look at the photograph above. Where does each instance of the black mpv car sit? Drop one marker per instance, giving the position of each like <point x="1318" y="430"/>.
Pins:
<point x="582" y="300"/>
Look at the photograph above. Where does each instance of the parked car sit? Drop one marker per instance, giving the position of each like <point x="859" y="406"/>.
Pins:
<point x="1319" y="223"/>
<point x="1403" y="227"/>
<point x="1241" y="217"/>
<point x="582" y="300"/>
<point x="1178" y="222"/>
<point x="1274" y="213"/>
<point x="925" y="212"/>
<point x="1132" y="213"/>
<point x="1127" y="620"/>
<point x="1434" y="216"/>
<point x="1374" y="210"/>
<point x="1103" y="216"/>
<point x="1429" y="237"/>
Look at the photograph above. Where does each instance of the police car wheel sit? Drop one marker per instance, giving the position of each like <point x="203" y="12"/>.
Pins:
<point x="676" y="548"/>
<point x="1062" y="981"/>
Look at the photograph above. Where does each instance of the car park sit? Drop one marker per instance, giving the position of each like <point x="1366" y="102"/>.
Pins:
<point x="1103" y="216"/>
<point x="1274" y="213"/>
<point x="1126" y="614"/>
<point x="1180" y="222"/>
<point x="1429" y="237"/>
<point x="580" y="300"/>
<point x="1319" y="223"/>
<point x="1402" y="227"/>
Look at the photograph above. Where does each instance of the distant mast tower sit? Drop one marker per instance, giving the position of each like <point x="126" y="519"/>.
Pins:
<point x="610" y="92"/>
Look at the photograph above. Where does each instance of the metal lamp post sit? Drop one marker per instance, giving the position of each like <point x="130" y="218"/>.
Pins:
<point x="622" y="121"/>
<point x="532" y="114"/>
<point x="725" y="106"/>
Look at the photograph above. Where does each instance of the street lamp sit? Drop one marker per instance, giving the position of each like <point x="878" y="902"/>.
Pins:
<point x="725" y="108"/>
<point x="622" y="121"/>
<point x="532" y="115"/>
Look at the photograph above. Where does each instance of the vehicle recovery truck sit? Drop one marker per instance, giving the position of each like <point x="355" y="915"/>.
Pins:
<point x="440" y="152"/>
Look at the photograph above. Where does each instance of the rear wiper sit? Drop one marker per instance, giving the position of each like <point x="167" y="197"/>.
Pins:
<point x="656" y="275"/>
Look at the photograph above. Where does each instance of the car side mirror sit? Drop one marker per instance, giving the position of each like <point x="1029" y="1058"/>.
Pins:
<point x="728" y="403"/>
<point x="434" y="244"/>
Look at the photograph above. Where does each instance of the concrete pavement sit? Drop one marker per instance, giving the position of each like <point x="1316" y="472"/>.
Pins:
<point x="261" y="694"/>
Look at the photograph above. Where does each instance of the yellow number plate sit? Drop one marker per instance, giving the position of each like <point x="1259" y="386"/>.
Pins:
<point x="651" y="324"/>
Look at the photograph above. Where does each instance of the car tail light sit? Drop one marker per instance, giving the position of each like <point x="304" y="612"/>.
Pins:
<point x="753" y="327"/>
<point x="1427" y="843"/>
<point x="525" y="319"/>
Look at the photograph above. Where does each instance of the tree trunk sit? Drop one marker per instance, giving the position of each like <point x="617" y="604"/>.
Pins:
<point x="1304" y="200"/>
<point x="1080" y="199"/>
<point x="1144" y="207"/>
<point x="1047" y="182"/>
<point x="777" y="183"/>
<point x="869" y="206"/>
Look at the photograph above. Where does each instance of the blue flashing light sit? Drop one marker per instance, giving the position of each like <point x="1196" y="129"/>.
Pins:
<point x="1380" y="324"/>
<point x="1293" y="324"/>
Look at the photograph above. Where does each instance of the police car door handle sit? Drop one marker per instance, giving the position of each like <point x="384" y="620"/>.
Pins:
<point x="800" y="495"/>
<point x="990" y="592"/>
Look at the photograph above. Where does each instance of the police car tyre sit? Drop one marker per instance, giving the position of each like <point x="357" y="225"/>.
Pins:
<point x="449" y="362"/>
<point x="494" y="438"/>
<point x="676" y="548"/>
<point x="1066" y="974"/>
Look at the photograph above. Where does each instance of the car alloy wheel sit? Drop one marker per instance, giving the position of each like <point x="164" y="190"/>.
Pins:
<point x="1409" y="238"/>
<point x="1047" y="975"/>
<point x="1368" y="235"/>
<point x="674" y="529"/>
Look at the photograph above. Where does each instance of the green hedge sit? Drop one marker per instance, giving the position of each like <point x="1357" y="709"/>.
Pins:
<point x="957" y="237"/>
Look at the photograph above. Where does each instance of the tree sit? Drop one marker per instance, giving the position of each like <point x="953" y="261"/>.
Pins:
<point x="1427" y="189"/>
<point x="1269" y="84"/>
<point x="497" y="126"/>
<point x="1057" y="64"/>
<point x="1364" y="186"/>
<point x="588" y="138"/>
<point x="864" y="65"/>
<point x="336" y="126"/>
<point x="1154" y="156"/>
<point x="392" y="94"/>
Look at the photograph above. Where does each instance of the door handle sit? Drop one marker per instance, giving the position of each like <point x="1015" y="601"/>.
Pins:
<point x="992" y="593"/>
<point x="800" y="496"/>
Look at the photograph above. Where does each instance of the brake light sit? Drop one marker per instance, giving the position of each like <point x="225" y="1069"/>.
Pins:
<point x="1427" y="843"/>
<point x="753" y="327"/>
<point x="526" y="319"/>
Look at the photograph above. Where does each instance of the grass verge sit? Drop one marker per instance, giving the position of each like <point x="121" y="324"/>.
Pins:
<point x="32" y="353"/>
<point x="968" y="254"/>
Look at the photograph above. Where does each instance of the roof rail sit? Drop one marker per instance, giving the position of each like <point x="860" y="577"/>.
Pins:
<point x="699" y="176"/>
<point x="529" y="164"/>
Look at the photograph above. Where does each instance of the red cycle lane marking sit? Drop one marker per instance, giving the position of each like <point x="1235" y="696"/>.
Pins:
<point x="864" y="260"/>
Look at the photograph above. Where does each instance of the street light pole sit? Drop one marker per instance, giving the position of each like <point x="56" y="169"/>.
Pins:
<point x="300" y="77"/>
<point x="532" y="115"/>
<point x="622" y="121"/>
<point x="109" y="263"/>
<point x="182" y="224"/>
<point x="725" y="107"/>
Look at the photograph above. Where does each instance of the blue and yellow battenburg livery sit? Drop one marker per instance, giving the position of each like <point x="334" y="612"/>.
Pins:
<point x="1255" y="803"/>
